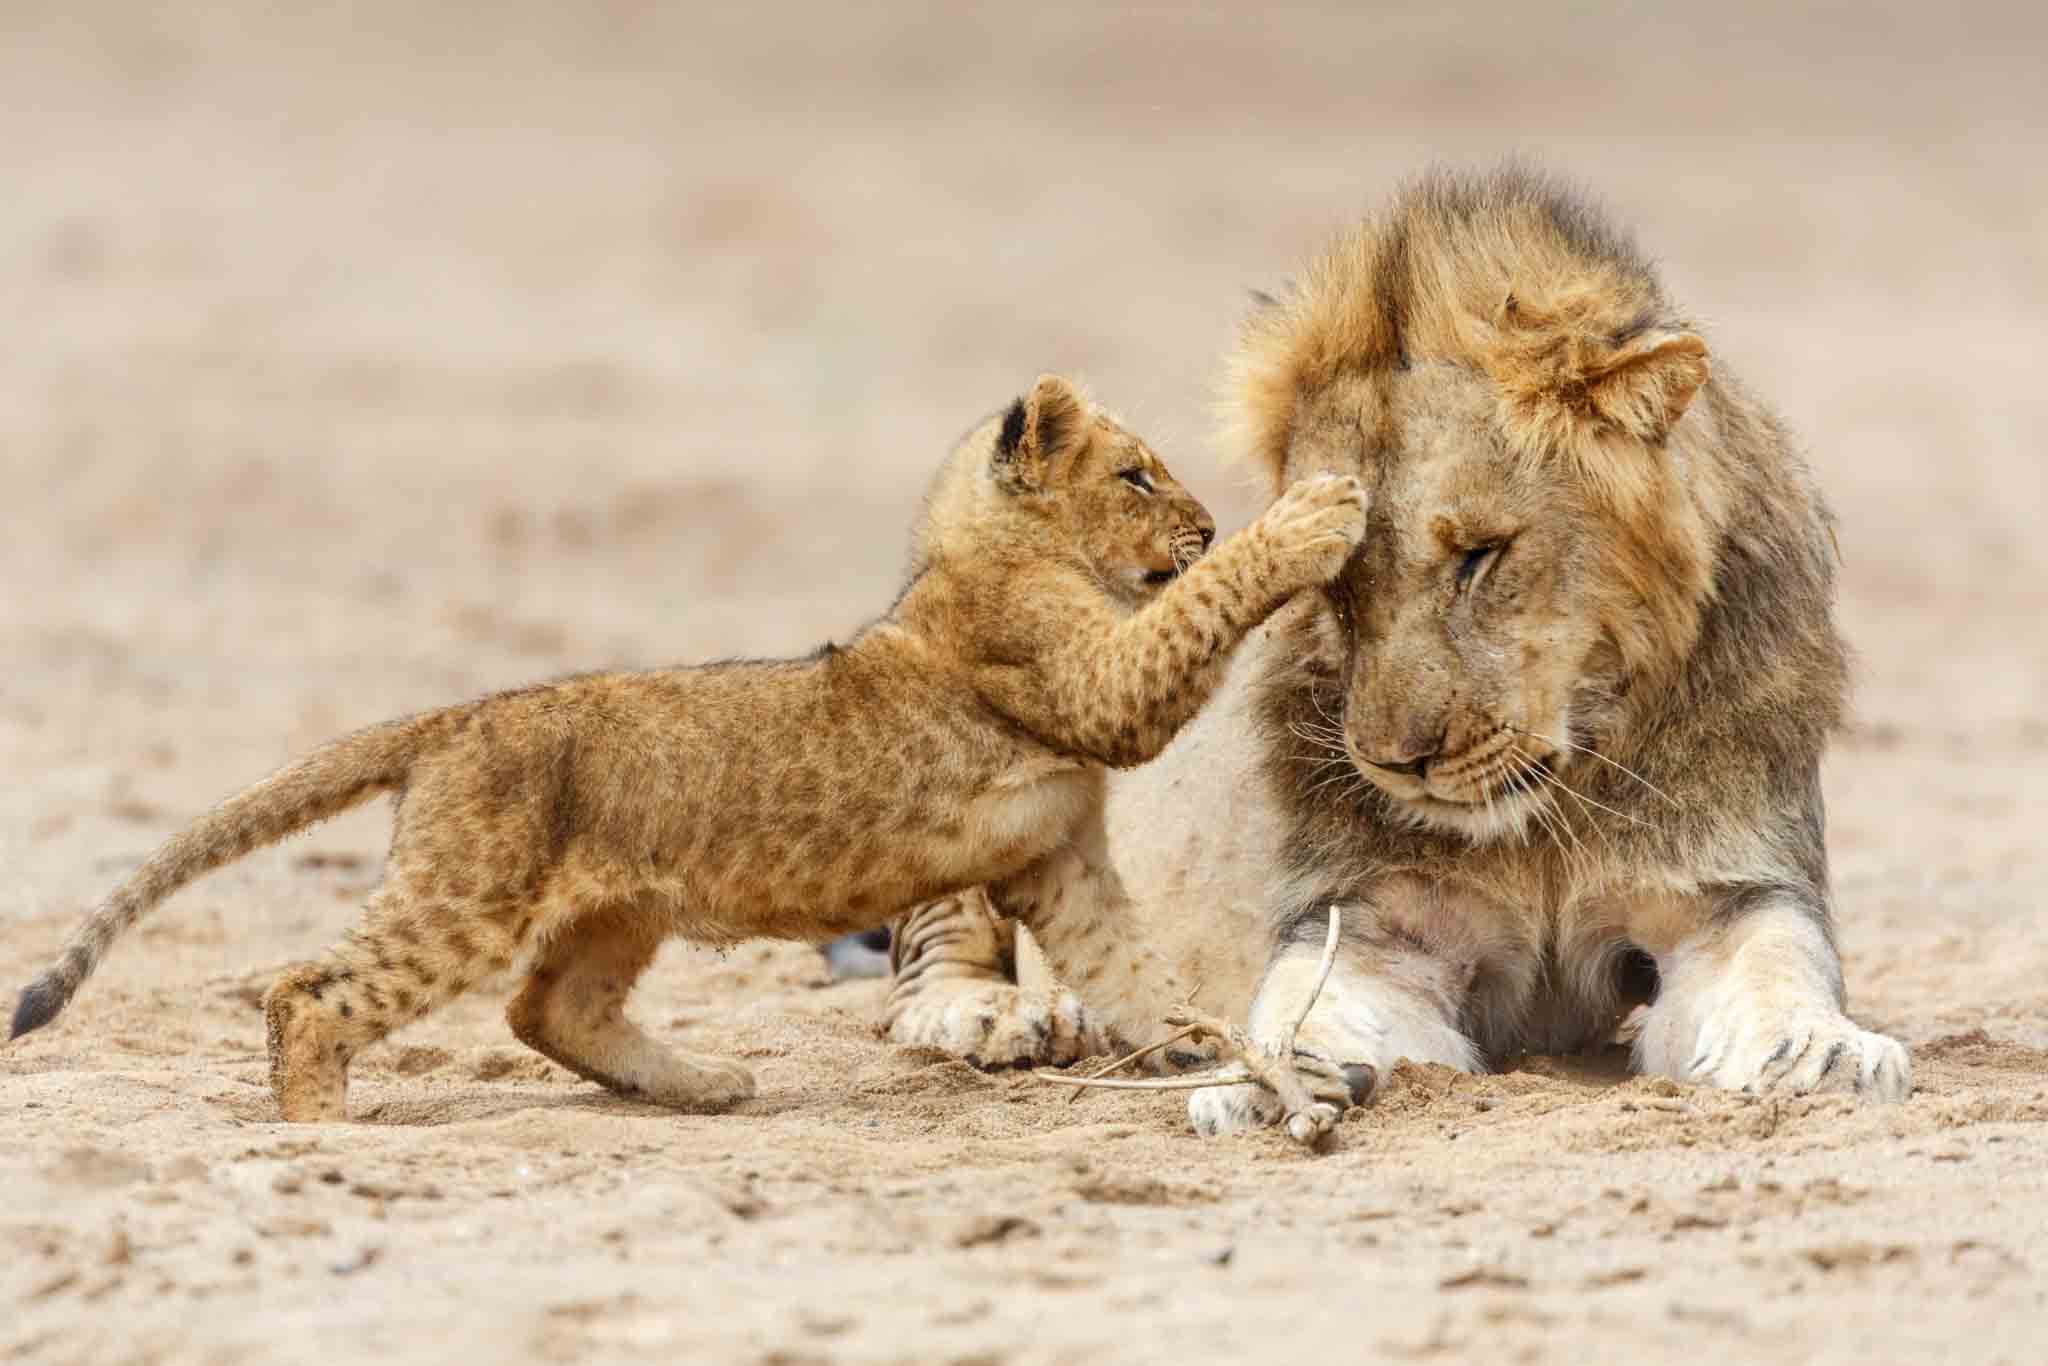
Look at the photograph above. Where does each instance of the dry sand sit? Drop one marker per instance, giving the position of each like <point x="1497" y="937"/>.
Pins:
<point x="357" y="364"/>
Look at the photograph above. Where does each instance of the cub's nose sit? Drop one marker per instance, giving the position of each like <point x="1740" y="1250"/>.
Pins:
<point x="1207" y="531"/>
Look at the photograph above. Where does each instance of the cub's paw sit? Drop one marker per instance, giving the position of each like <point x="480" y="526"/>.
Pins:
<point x="1796" y="1054"/>
<point x="1311" y="530"/>
<point x="695" y="1082"/>
<point x="994" y="1025"/>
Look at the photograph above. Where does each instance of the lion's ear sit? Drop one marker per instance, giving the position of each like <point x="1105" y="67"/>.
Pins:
<point x="1565" y="368"/>
<point x="1039" y="431"/>
<point x="1645" y="384"/>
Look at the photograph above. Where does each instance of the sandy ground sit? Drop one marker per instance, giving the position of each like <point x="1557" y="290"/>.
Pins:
<point x="359" y="363"/>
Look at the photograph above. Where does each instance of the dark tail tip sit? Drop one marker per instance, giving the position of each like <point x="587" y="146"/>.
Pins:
<point x="39" y="1004"/>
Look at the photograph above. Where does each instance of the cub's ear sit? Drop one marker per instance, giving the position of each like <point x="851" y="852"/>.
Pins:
<point x="1646" y="383"/>
<point x="1039" y="431"/>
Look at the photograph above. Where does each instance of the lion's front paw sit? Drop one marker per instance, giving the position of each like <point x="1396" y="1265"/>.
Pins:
<point x="1218" y="1110"/>
<point x="1797" y="1054"/>
<point x="995" y="1025"/>
<point x="1312" y="528"/>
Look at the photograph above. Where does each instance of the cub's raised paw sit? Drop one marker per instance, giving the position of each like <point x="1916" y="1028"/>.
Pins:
<point x="995" y="1025"/>
<point x="1795" y="1055"/>
<point x="1312" y="528"/>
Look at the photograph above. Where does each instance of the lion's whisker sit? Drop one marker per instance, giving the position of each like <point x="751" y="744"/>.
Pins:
<point x="1315" y="699"/>
<point x="1316" y="734"/>
<point x="1540" y="812"/>
<point x="1596" y="754"/>
<point x="1586" y="801"/>
<point x="1552" y="818"/>
<point x="1344" y="781"/>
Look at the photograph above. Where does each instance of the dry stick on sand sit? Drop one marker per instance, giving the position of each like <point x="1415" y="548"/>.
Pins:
<point x="1309" y="1121"/>
<point x="1147" y="1051"/>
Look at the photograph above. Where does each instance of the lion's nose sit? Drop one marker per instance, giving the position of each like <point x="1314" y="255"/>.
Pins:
<point x="1207" y="531"/>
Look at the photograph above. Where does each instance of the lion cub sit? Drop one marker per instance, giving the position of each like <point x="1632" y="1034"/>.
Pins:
<point x="1060" y="618"/>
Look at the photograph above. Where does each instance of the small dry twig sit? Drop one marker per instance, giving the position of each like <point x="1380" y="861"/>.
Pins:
<point x="1127" y="1059"/>
<point x="1308" y="1120"/>
<point x="1138" y="1055"/>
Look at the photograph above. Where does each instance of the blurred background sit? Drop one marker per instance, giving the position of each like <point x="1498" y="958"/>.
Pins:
<point x="362" y="357"/>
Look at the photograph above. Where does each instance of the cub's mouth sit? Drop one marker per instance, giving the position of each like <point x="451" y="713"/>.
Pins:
<point x="1184" y="546"/>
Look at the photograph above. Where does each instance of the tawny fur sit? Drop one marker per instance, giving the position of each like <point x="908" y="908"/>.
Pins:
<point x="1061" y="618"/>
<point x="1553" y="737"/>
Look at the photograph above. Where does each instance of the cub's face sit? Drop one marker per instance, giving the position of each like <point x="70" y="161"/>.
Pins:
<point x="1131" y="518"/>
<point x="1104" y="494"/>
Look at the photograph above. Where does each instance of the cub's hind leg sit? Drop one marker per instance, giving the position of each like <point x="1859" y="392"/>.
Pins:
<point x="419" y="947"/>
<point x="572" y="1011"/>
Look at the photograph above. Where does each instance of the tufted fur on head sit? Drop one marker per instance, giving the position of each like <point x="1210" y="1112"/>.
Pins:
<point x="1511" y="273"/>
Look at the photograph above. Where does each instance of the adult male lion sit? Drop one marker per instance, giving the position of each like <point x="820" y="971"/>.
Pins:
<point x="1553" y="739"/>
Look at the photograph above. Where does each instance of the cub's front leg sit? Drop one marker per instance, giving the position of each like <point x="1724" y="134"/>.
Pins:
<point x="1751" y="1000"/>
<point x="1118" y="688"/>
<point x="1077" y="910"/>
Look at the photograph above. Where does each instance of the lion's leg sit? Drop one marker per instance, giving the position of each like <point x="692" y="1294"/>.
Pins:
<point x="1389" y="998"/>
<point x="572" y="1010"/>
<point x="1752" y="1001"/>
<point x="953" y="961"/>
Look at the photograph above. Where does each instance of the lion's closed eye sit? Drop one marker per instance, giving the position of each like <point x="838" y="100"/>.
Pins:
<point x="1476" y="562"/>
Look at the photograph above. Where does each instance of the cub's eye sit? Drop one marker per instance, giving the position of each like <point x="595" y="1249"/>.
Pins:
<point x="1477" y="561"/>
<point x="1136" y="478"/>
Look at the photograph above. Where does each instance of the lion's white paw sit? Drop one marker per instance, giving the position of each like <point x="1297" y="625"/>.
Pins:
<point x="1793" y="1055"/>
<point x="1218" y="1110"/>
<point x="995" y="1025"/>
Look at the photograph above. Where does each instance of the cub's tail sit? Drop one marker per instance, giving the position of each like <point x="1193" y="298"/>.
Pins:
<point x="325" y="783"/>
